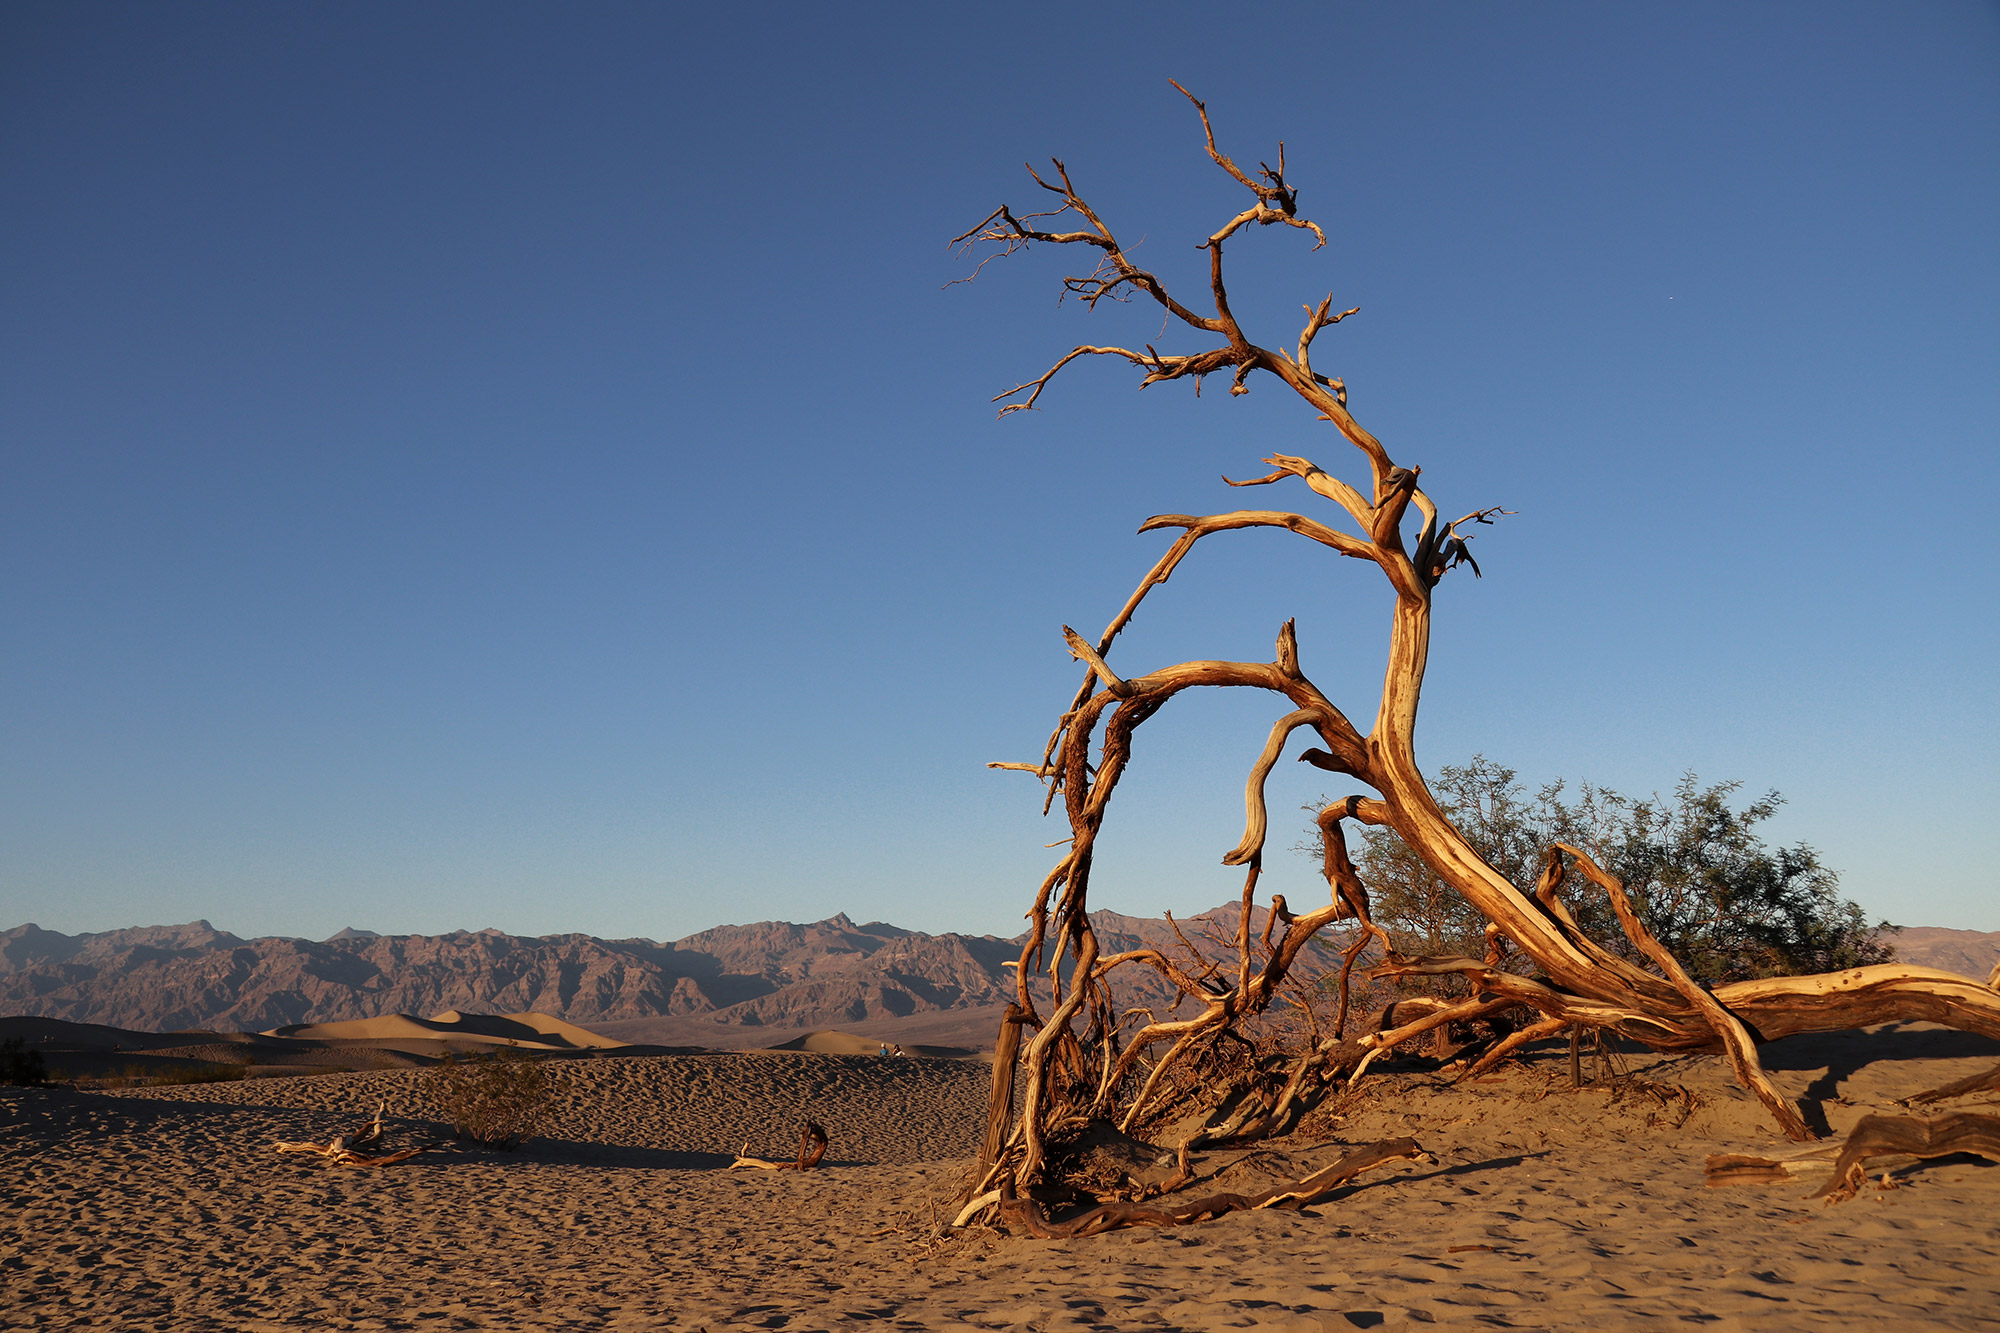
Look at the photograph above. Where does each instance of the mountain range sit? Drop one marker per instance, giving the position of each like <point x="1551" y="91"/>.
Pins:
<point x="732" y="986"/>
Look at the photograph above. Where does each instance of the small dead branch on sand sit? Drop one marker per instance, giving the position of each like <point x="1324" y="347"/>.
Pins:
<point x="1887" y="1141"/>
<point x="342" y="1149"/>
<point x="812" y="1147"/>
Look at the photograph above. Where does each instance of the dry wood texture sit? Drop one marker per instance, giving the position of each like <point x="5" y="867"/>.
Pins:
<point x="1877" y="1141"/>
<point x="1087" y="1063"/>
<point x="343" y="1149"/>
<point x="812" y="1147"/>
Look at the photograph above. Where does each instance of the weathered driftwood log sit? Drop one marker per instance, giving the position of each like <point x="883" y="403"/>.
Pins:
<point x="1884" y="1141"/>
<point x="1878" y="1136"/>
<point x="337" y="1153"/>
<point x="812" y="1147"/>
<point x="340" y="1150"/>
<point x="1029" y="1217"/>
<point x="1086" y="1062"/>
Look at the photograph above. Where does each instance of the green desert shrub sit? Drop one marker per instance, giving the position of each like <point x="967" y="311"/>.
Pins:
<point x="20" y="1065"/>
<point x="1699" y="872"/>
<point x="500" y="1100"/>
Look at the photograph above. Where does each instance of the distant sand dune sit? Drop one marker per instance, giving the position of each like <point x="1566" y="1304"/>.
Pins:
<point x="528" y="1031"/>
<point x="93" y="1051"/>
<point x="828" y="1041"/>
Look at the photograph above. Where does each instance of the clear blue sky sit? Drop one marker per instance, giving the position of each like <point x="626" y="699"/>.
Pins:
<point x="520" y="465"/>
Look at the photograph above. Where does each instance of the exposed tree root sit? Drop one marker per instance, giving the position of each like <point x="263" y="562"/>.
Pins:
<point x="338" y="1154"/>
<point x="1965" y="1087"/>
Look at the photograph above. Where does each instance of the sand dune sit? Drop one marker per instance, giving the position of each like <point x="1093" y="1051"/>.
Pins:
<point x="92" y="1051"/>
<point x="1548" y="1207"/>
<point x="829" y="1041"/>
<point x="554" y="1029"/>
<point x="527" y="1031"/>
<point x="969" y="1029"/>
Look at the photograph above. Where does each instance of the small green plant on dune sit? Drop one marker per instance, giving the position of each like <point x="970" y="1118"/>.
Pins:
<point x="19" y="1065"/>
<point x="499" y="1100"/>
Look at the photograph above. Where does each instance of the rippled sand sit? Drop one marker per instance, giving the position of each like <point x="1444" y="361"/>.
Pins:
<point x="1549" y="1207"/>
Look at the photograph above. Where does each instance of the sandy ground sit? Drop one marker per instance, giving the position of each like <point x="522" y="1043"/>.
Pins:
<point x="1548" y="1207"/>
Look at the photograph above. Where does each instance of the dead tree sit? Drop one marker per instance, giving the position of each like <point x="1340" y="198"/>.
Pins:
<point x="1083" y="1063"/>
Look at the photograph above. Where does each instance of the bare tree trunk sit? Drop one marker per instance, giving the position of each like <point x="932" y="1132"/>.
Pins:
<point x="1000" y="1105"/>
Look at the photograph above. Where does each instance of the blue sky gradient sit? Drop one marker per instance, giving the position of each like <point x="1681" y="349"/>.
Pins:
<point x="523" y="466"/>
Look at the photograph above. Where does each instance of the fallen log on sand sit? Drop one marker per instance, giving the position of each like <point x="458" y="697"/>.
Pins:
<point x="1878" y="1140"/>
<point x="812" y="1147"/>
<point x="340" y="1150"/>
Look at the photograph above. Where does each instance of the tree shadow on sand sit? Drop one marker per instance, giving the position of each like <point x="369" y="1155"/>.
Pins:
<point x="1849" y="1052"/>
<point x="1405" y="1179"/>
<point x="610" y="1156"/>
<point x="1841" y="1055"/>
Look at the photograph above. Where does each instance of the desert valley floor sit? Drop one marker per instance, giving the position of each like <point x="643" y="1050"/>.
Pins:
<point x="1547" y="1207"/>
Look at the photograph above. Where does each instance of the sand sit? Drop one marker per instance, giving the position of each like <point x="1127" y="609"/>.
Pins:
<point x="832" y="1041"/>
<point x="1548" y="1207"/>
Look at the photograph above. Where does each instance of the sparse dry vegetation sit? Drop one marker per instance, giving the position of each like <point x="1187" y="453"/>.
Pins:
<point x="21" y="1066"/>
<point x="499" y="1100"/>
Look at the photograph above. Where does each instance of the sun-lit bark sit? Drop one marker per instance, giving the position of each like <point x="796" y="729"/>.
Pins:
<point x="1079" y="1067"/>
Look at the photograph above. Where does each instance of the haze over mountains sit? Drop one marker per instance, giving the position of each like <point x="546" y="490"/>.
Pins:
<point x="734" y="985"/>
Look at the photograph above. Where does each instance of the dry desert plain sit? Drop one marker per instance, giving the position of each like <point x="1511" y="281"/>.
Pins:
<point x="1547" y="1206"/>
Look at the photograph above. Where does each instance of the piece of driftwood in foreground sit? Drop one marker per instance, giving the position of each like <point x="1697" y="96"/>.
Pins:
<point x="812" y="1147"/>
<point x="341" y="1149"/>
<point x="1877" y="1140"/>
<point x="1879" y="1136"/>
<point x="1028" y="1216"/>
